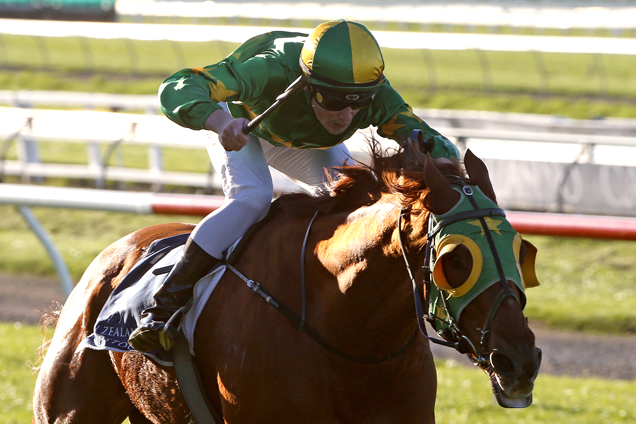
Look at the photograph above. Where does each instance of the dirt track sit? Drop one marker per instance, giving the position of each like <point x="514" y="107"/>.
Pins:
<point x="23" y="298"/>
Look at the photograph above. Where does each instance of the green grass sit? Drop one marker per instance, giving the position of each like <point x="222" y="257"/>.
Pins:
<point x="17" y="378"/>
<point x="575" y="85"/>
<point x="463" y="393"/>
<point x="586" y="285"/>
<point x="115" y="56"/>
<point x="131" y="156"/>
<point x="464" y="396"/>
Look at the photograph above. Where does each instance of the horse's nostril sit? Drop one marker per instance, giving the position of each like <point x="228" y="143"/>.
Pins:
<point x="501" y="363"/>
<point x="538" y="364"/>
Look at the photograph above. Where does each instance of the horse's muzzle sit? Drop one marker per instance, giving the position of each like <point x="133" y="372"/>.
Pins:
<point x="512" y="377"/>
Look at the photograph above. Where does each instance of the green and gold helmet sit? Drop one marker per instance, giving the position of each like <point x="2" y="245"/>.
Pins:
<point x="342" y="55"/>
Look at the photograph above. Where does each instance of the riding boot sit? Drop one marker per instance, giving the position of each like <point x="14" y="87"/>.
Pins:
<point x="154" y="331"/>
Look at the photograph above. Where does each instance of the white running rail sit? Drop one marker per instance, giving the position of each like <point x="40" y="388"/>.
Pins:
<point x="386" y="39"/>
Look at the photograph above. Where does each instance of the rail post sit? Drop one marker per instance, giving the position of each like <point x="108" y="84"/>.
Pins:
<point x="542" y="71"/>
<point x="430" y="69"/>
<point x="54" y="254"/>
<point x="485" y="69"/>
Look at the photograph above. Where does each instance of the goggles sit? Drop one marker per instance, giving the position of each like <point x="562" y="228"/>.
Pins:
<point x="335" y="100"/>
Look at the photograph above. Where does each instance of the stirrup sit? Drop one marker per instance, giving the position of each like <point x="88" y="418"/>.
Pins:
<point x="168" y="335"/>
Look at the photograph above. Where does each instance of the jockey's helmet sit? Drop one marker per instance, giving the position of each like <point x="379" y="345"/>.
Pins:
<point x="342" y="59"/>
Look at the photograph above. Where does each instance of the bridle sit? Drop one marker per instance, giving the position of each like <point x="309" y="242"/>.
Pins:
<point x="456" y="339"/>
<point x="454" y="335"/>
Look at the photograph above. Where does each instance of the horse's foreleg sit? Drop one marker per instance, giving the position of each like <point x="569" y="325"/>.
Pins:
<point x="79" y="387"/>
<point x="152" y="389"/>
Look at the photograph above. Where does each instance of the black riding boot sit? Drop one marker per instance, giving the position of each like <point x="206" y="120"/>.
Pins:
<point x="175" y="292"/>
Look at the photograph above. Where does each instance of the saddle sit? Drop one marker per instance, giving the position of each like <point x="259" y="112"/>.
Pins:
<point x="121" y="313"/>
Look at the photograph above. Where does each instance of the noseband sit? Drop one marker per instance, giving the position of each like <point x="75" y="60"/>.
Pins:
<point x="456" y="338"/>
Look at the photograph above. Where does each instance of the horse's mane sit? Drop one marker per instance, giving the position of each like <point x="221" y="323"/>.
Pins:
<point x="396" y="171"/>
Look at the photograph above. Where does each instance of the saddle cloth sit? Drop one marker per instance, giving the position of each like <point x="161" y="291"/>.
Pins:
<point x="121" y="314"/>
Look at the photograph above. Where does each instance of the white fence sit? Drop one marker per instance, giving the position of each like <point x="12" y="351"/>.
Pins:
<point x="482" y="45"/>
<point x="104" y="134"/>
<point x="544" y="163"/>
<point x="386" y="39"/>
<point x="516" y="14"/>
<point x="26" y="196"/>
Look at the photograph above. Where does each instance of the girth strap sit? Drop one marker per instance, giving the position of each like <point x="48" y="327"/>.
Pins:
<point x="191" y="385"/>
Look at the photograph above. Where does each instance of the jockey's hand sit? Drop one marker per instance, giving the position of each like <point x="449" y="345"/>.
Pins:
<point x="228" y="128"/>
<point x="417" y="140"/>
<point x="232" y="136"/>
<point x="426" y="146"/>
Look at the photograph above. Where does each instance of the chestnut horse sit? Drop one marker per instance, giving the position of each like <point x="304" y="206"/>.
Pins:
<point x="362" y="254"/>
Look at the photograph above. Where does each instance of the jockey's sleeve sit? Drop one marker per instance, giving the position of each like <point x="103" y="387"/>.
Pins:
<point x="187" y="99"/>
<point x="402" y="121"/>
<point x="191" y="95"/>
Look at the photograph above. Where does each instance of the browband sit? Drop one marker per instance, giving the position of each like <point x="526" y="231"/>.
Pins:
<point x="460" y="216"/>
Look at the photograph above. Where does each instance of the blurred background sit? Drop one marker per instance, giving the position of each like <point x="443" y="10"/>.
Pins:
<point x="543" y="91"/>
<point x="474" y="70"/>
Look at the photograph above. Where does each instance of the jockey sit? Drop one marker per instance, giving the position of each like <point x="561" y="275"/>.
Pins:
<point x="346" y="90"/>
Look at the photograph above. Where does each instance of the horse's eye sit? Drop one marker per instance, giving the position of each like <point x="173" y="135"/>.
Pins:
<point x="457" y="266"/>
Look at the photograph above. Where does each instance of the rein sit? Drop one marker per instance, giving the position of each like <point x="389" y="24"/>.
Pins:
<point x="300" y="321"/>
<point x="419" y="309"/>
<point x="462" y="344"/>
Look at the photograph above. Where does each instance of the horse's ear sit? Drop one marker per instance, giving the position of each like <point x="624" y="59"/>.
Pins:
<point x="441" y="197"/>
<point x="478" y="173"/>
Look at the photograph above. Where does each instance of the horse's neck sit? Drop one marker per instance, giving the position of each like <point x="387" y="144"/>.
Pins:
<point x="370" y="299"/>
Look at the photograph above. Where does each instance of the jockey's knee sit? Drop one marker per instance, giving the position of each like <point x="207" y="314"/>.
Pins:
<point x="258" y="199"/>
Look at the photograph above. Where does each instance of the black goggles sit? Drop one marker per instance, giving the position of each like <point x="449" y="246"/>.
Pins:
<point x="335" y="100"/>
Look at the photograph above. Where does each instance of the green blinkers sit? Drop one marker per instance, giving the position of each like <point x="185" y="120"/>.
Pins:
<point x="446" y="299"/>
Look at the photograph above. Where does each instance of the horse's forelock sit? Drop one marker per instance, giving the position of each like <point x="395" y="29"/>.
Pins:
<point x="400" y="172"/>
<point x="403" y="174"/>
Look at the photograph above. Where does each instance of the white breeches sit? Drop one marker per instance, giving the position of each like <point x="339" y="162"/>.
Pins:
<point x="247" y="185"/>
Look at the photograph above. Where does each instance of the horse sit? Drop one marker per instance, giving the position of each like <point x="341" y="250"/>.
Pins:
<point x="350" y="264"/>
